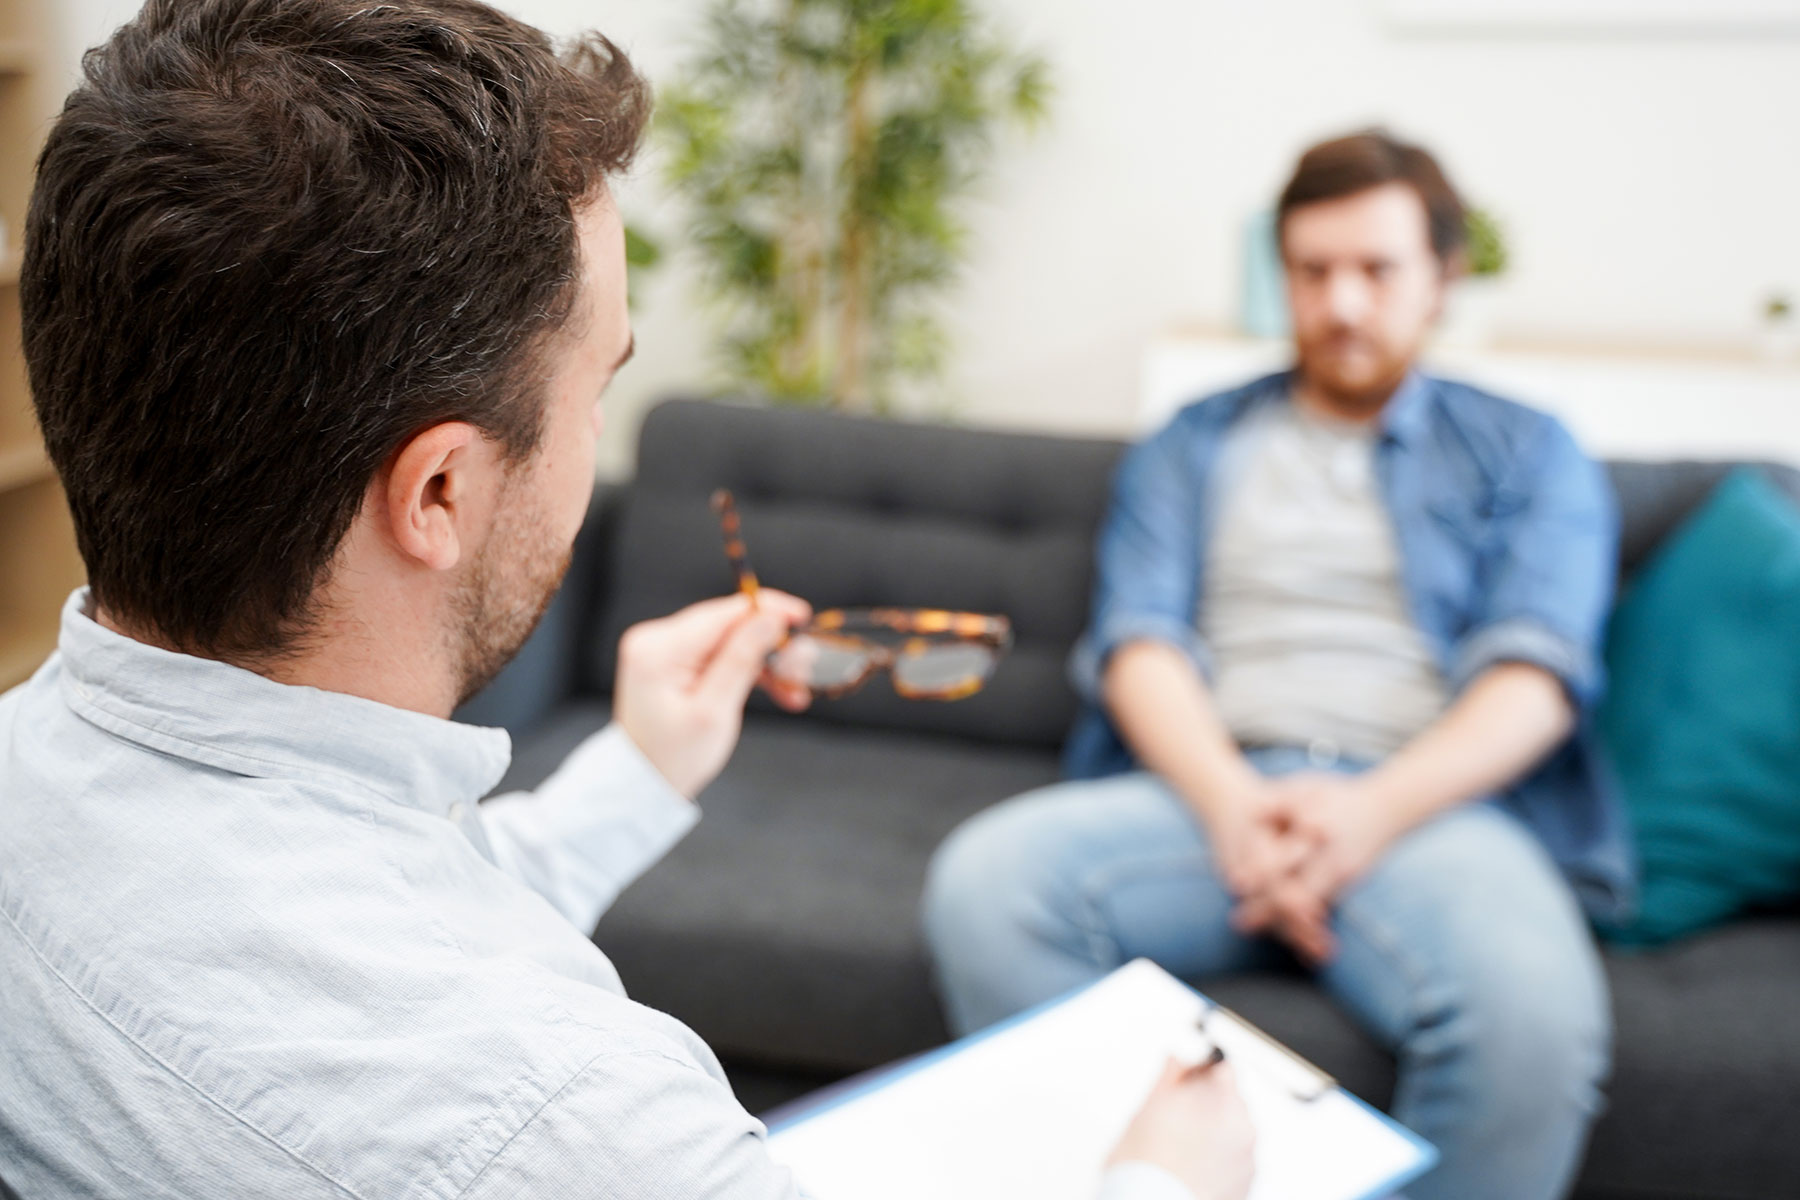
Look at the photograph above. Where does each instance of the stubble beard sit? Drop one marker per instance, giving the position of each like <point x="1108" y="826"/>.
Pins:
<point x="1363" y="394"/>
<point x="514" y="578"/>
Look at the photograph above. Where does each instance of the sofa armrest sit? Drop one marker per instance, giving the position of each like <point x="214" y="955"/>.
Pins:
<point x="548" y="669"/>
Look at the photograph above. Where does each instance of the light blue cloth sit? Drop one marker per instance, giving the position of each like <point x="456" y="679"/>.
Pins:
<point x="1509" y="546"/>
<point x="1462" y="951"/>
<point x="1265" y="306"/>
<point x="258" y="940"/>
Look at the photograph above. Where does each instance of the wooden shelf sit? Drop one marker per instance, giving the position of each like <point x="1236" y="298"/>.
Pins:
<point x="18" y="56"/>
<point x="38" y="558"/>
<point x="20" y="465"/>
<point x="23" y="648"/>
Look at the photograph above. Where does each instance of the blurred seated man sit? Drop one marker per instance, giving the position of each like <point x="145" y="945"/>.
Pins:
<point x="319" y="299"/>
<point x="1343" y="643"/>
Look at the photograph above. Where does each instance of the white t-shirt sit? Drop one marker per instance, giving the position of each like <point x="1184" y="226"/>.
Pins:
<point x="1303" y="605"/>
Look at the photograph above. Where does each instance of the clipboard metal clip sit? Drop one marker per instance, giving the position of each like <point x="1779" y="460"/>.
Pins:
<point x="1302" y="1080"/>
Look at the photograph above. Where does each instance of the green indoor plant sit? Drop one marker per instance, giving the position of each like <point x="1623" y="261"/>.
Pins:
<point x="820" y="148"/>
<point x="643" y="254"/>
<point x="1469" y="315"/>
<point x="1486" y="250"/>
<point x="1780" y="332"/>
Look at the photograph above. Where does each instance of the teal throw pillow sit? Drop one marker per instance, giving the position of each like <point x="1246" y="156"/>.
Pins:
<point x="1702" y="715"/>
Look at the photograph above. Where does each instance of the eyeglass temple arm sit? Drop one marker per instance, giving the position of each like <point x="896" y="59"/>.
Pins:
<point x="726" y="507"/>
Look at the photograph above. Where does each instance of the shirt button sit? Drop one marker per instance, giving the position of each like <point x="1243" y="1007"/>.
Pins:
<point x="456" y="812"/>
<point x="1322" y="753"/>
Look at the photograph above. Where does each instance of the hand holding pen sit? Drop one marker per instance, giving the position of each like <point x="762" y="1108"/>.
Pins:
<point x="1194" y="1124"/>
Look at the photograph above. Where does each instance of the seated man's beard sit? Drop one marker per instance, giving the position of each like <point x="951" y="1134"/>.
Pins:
<point x="505" y="594"/>
<point x="1360" y="389"/>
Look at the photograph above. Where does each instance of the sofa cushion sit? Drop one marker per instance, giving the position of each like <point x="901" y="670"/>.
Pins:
<point x="1703" y="1101"/>
<point x="1655" y="497"/>
<point x="1704" y="655"/>
<point x="785" y="928"/>
<point x="852" y="512"/>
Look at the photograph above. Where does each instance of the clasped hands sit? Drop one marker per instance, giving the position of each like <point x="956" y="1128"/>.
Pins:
<point x="1289" y="845"/>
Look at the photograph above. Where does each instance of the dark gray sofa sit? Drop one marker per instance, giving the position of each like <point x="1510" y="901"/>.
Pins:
<point x="784" y="929"/>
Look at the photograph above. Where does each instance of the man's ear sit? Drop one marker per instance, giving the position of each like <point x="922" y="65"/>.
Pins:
<point x="438" y="484"/>
<point x="1454" y="266"/>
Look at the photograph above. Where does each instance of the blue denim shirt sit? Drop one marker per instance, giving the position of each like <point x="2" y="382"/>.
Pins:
<point x="1508" y="540"/>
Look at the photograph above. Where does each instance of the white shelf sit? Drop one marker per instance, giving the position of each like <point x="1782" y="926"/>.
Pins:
<point x="1620" y="404"/>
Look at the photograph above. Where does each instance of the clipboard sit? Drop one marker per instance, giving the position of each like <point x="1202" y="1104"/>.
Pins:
<point x="1033" y="1106"/>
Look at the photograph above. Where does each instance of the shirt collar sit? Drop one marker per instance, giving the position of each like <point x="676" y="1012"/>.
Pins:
<point x="236" y="720"/>
<point x="1403" y="417"/>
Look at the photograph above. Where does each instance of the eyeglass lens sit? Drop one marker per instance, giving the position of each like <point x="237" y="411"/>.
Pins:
<point x="821" y="661"/>
<point x="943" y="666"/>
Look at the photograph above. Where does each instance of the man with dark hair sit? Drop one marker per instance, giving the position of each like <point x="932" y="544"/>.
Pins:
<point x="319" y="300"/>
<point x="1343" y="647"/>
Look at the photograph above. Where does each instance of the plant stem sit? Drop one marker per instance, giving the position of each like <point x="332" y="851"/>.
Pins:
<point x="850" y="385"/>
<point x="801" y="269"/>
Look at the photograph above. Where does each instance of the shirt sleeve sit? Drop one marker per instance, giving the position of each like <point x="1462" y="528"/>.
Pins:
<point x="1548" y="594"/>
<point x="597" y="823"/>
<point x="644" y="1124"/>
<point x="1147" y="564"/>
<point x="656" y="1126"/>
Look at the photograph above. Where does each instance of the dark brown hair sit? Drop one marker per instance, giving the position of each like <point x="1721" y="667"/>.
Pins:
<point x="1348" y="165"/>
<point x="270" y="241"/>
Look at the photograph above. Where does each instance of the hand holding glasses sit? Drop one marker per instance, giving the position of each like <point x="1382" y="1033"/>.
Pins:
<point x="931" y="654"/>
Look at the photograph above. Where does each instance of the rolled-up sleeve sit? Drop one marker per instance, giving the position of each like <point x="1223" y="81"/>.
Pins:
<point x="1550" y="587"/>
<point x="1147" y="563"/>
<point x="597" y="823"/>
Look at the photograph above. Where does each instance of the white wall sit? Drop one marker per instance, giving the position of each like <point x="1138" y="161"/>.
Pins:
<point x="1651" y="185"/>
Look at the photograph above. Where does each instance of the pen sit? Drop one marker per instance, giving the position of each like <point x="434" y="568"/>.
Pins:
<point x="1200" y="1051"/>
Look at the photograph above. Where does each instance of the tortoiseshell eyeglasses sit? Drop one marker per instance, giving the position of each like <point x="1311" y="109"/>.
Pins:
<point x="930" y="654"/>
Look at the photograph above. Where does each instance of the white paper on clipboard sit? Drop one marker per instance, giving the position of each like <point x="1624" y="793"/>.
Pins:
<point x="1032" y="1109"/>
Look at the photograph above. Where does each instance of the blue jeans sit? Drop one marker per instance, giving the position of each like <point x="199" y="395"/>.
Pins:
<point x="1462" y="951"/>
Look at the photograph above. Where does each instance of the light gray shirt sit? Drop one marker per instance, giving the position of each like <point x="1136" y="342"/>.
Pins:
<point x="258" y="940"/>
<point x="1303" y="605"/>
